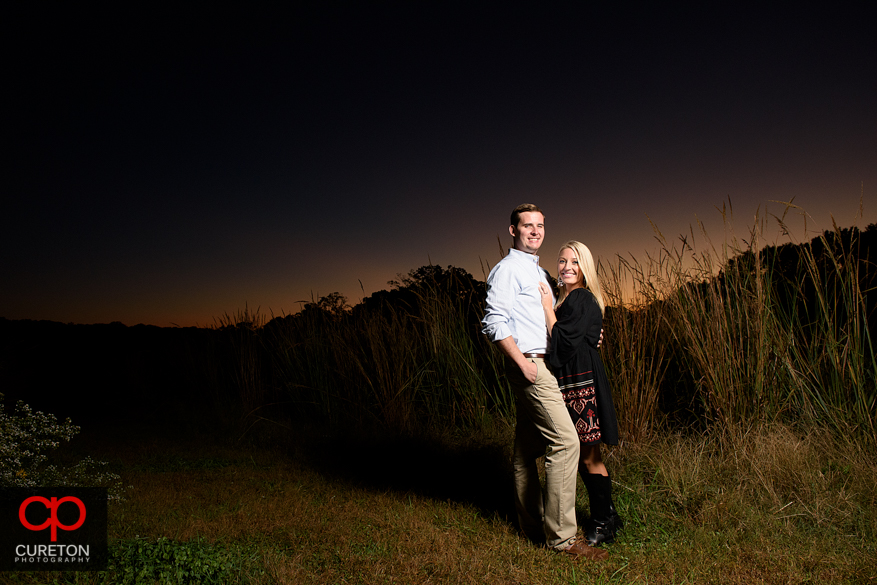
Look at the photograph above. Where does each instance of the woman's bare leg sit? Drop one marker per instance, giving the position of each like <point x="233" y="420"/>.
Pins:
<point x="591" y="460"/>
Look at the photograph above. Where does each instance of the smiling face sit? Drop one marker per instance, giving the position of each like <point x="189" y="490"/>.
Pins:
<point x="529" y="232"/>
<point x="569" y="273"/>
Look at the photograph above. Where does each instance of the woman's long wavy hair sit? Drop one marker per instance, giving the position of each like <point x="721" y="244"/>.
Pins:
<point x="588" y="270"/>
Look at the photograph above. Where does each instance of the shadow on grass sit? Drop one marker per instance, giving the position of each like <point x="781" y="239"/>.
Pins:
<point x="476" y="472"/>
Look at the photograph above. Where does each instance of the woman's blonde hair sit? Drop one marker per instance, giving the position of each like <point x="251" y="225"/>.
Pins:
<point x="588" y="270"/>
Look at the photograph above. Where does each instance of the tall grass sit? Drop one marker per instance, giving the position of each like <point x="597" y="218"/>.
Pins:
<point x="729" y="335"/>
<point x="245" y="362"/>
<point x="758" y="334"/>
<point x="720" y="310"/>
<point x="635" y="348"/>
<point x="832" y="355"/>
<point x="405" y="361"/>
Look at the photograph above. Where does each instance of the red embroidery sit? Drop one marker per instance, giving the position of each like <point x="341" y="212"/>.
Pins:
<point x="583" y="402"/>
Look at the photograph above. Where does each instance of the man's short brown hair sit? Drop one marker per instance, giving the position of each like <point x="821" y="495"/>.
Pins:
<point x="523" y="208"/>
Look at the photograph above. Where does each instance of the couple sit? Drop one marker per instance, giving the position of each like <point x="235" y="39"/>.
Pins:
<point x="565" y="417"/>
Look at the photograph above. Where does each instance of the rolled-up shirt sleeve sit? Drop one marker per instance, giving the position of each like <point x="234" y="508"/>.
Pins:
<point x="514" y="303"/>
<point x="502" y="290"/>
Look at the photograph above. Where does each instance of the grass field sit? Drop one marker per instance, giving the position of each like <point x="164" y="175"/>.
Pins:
<point x="205" y="508"/>
<point x="744" y="377"/>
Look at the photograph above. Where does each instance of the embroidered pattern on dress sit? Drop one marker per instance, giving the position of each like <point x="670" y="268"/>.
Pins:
<point x="580" y="397"/>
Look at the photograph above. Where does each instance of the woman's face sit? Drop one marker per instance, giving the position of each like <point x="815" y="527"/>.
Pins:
<point x="569" y="273"/>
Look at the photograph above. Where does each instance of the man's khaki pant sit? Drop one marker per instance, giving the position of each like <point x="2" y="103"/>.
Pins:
<point x="544" y="428"/>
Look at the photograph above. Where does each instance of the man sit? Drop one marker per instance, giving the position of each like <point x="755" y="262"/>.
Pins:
<point x="515" y="321"/>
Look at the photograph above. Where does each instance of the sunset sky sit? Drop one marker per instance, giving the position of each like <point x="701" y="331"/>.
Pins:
<point x="170" y="168"/>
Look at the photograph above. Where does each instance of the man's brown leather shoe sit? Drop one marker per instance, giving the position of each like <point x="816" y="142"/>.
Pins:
<point x="581" y="549"/>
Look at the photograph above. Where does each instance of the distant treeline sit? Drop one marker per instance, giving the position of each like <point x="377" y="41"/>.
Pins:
<point x="104" y="372"/>
<point x="731" y="335"/>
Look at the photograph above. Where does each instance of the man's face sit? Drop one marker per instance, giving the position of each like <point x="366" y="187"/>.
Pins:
<point x="529" y="232"/>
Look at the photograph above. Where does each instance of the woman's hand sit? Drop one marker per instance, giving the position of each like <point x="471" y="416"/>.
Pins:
<point x="547" y="298"/>
<point x="548" y="306"/>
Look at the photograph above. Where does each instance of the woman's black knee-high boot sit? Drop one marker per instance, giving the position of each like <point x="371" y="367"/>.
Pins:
<point x="604" y="521"/>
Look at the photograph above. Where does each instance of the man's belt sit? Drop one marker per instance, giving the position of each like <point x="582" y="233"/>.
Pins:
<point x="536" y="355"/>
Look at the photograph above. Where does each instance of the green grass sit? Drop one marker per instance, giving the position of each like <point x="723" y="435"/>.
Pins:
<point x="746" y="387"/>
<point x="776" y="508"/>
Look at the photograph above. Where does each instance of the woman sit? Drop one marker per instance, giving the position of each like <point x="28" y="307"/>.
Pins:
<point x="575" y="331"/>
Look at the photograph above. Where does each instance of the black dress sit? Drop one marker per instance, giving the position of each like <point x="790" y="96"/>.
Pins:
<point x="576" y="362"/>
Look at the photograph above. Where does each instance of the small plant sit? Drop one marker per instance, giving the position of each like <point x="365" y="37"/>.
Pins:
<point x="167" y="561"/>
<point x="26" y="439"/>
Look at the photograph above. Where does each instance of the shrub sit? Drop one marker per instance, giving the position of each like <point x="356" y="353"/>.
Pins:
<point x="172" y="562"/>
<point x="27" y="438"/>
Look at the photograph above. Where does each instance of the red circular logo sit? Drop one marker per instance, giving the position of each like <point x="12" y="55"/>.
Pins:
<point x="51" y="505"/>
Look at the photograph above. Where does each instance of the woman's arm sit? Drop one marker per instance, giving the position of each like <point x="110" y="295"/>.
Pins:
<point x="548" y="306"/>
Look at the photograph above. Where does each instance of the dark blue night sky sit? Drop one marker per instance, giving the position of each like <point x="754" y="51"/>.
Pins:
<point x="172" y="167"/>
